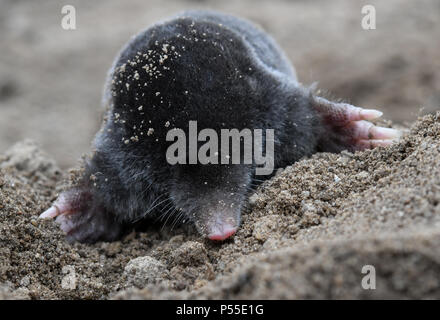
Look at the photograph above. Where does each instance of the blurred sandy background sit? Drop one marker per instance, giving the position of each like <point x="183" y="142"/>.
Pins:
<point x="51" y="80"/>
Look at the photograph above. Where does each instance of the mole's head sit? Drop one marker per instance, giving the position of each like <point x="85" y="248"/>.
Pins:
<point x="212" y="196"/>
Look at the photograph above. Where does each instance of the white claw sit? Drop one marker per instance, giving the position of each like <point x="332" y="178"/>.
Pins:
<point x="52" y="212"/>
<point x="370" y="114"/>
<point x="381" y="133"/>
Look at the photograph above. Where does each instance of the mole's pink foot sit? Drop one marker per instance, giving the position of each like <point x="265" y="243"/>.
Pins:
<point x="347" y="127"/>
<point x="81" y="218"/>
<point x="63" y="209"/>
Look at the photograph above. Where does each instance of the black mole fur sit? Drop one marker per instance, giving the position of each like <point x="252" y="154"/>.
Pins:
<point x="216" y="69"/>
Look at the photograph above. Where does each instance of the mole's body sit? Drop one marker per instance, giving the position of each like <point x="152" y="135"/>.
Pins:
<point x="224" y="73"/>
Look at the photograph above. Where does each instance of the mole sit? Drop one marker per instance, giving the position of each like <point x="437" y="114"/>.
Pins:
<point x="224" y="73"/>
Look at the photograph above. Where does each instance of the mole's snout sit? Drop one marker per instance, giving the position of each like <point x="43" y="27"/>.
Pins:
<point x="222" y="232"/>
<point x="221" y="227"/>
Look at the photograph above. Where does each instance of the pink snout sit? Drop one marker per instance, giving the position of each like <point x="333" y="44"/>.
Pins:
<point x="221" y="232"/>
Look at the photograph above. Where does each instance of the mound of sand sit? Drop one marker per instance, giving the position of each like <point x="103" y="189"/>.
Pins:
<point x="308" y="233"/>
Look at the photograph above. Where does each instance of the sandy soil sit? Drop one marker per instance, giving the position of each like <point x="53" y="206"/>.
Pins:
<point x="308" y="231"/>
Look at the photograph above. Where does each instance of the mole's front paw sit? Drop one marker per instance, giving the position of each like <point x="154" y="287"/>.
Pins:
<point x="347" y="127"/>
<point x="82" y="218"/>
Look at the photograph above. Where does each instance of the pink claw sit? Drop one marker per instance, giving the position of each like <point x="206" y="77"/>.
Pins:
<point x="380" y="133"/>
<point x="366" y="130"/>
<point x="62" y="210"/>
<point x="52" y="212"/>
<point x="369" y="114"/>
<point x="342" y="113"/>
<point x="59" y="207"/>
